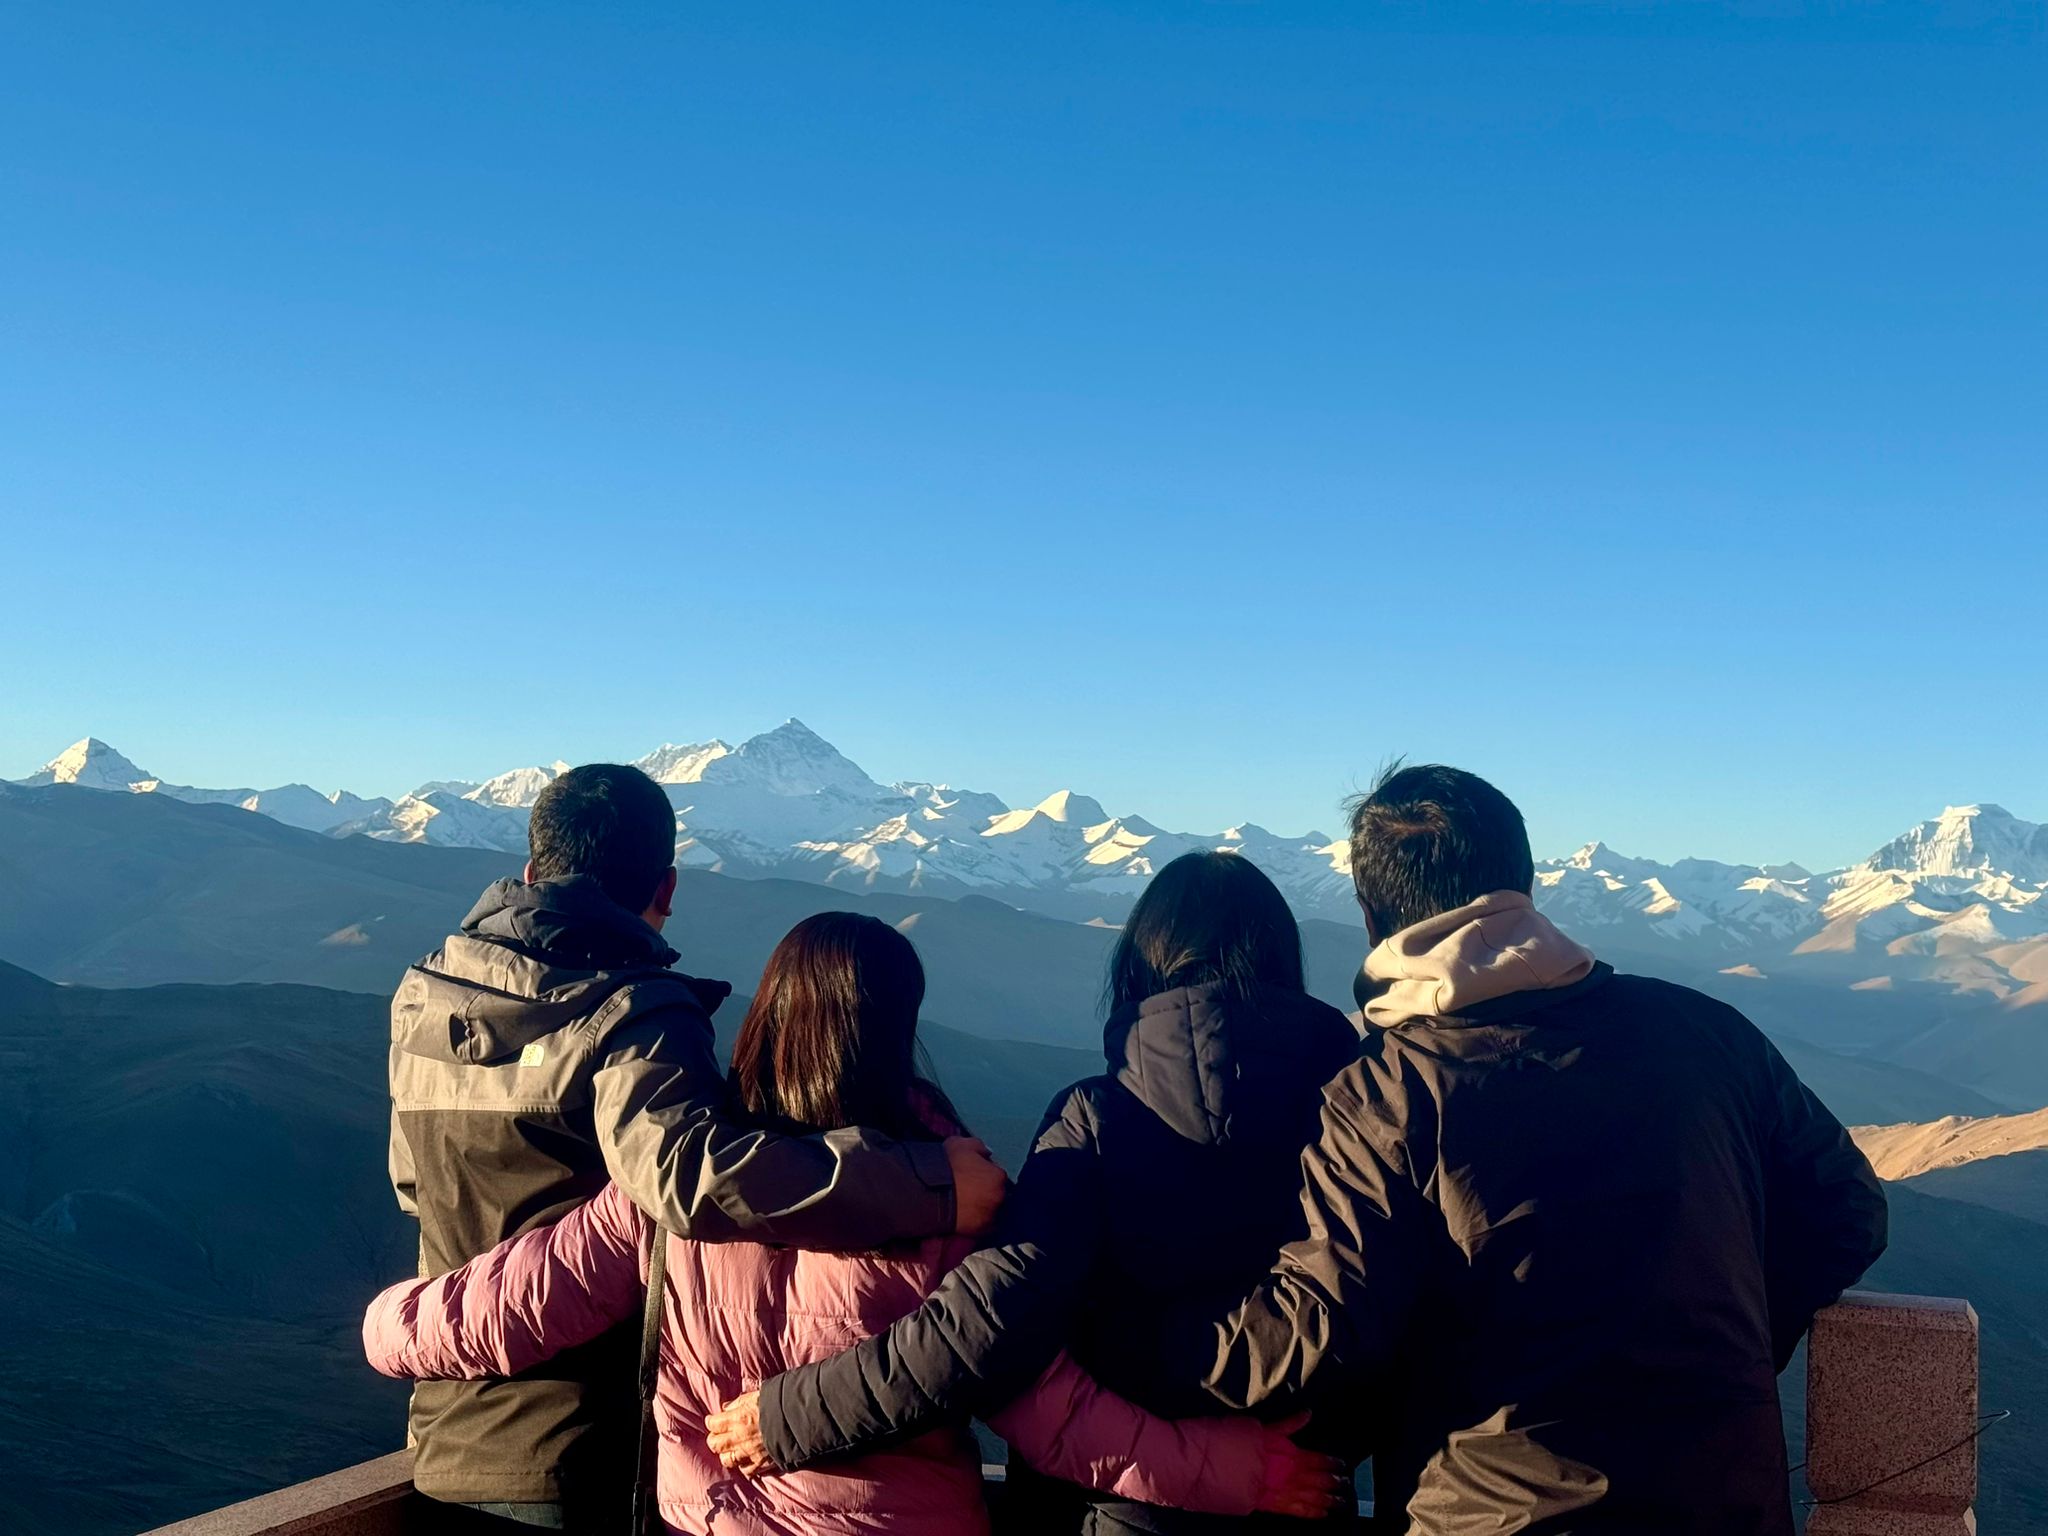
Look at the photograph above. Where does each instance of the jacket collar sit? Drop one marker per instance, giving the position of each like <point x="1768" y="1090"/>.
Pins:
<point x="1217" y="1064"/>
<point x="531" y="960"/>
<point x="1449" y="965"/>
<point x="570" y="923"/>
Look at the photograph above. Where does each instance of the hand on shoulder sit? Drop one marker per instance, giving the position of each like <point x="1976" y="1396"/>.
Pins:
<point x="979" y="1185"/>
<point x="1303" y="1484"/>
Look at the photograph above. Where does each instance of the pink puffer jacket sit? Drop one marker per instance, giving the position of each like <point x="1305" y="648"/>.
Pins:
<point x="737" y="1313"/>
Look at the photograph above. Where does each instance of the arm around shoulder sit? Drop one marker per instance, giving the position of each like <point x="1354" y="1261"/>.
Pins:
<point x="674" y="1142"/>
<point x="1338" y="1299"/>
<point x="982" y="1337"/>
<point x="516" y="1305"/>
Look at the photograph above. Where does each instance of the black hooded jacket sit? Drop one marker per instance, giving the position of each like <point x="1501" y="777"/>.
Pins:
<point x="1176" y="1178"/>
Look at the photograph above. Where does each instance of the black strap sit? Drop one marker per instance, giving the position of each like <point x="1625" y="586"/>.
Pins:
<point x="646" y="1512"/>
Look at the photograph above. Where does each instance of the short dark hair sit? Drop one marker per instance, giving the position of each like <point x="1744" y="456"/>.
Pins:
<point x="1205" y="917"/>
<point x="1429" y="839"/>
<point x="607" y="821"/>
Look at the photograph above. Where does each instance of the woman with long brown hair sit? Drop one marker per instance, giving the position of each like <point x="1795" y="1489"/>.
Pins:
<point x="829" y="1043"/>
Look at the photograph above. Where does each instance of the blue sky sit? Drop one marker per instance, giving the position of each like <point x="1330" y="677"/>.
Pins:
<point x="1194" y="404"/>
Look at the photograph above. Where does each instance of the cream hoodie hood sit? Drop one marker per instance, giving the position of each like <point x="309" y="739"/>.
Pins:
<point x="1495" y="946"/>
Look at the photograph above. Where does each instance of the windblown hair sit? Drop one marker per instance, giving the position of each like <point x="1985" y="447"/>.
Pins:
<point x="610" y="822"/>
<point x="1205" y="917"/>
<point x="831" y="1037"/>
<point x="1429" y="839"/>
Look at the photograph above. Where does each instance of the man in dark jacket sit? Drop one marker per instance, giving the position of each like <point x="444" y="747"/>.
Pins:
<point x="1564" y="1229"/>
<point x="548" y="1047"/>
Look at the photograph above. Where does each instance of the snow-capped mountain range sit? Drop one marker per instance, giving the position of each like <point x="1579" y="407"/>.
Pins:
<point x="92" y="764"/>
<point x="1961" y="899"/>
<point x="788" y="803"/>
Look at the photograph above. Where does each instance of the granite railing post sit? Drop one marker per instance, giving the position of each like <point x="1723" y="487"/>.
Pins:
<point x="1891" y="1417"/>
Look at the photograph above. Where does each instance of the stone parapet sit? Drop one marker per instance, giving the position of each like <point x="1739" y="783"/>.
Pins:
<point x="1891" y="1417"/>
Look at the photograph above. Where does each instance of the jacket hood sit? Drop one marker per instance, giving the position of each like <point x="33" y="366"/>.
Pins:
<point x="568" y="922"/>
<point x="1495" y="947"/>
<point x="532" y="960"/>
<point x="1218" y="1066"/>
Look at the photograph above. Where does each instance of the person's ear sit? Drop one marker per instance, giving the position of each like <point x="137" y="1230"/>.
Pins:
<point x="664" y="902"/>
<point x="526" y="874"/>
<point x="1372" y="939"/>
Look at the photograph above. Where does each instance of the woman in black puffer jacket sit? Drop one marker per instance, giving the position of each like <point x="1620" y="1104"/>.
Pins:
<point x="1216" y="1064"/>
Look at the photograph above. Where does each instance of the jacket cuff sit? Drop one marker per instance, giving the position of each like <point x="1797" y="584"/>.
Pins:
<point x="776" y="1432"/>
<point x="928" y="1161"/>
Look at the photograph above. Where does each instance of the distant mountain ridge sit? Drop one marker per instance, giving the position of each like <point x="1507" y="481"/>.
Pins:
<point x="92" y="764"/>
<point x="1956" y="901"/>
<point x="1907" y="1151"/>
<point x="788" y="803"/>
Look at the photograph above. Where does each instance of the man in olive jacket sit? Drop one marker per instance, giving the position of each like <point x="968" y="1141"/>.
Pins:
<point x="548" y="1047"/>
<point x="1562" y="1230"/>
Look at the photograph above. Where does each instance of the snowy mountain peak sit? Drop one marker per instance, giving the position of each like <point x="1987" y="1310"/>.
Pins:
<point x="90" y="764"/>
<point x="519" y="787"/>
<point x="1064" y="805"/>
<point x="456" y="787"/>
<point x="1968" y="841"/>
<point x="1598" y="858"/>
<point x="681" y="763"/>
<point x="792" y="759"/>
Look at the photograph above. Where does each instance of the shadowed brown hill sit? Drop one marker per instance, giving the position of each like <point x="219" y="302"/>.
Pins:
<point x="132" y="890"/>
<point x="124" y="1405"/>
<point x="2000" y="1161"/>
<point x="1904" y="1151"/>
<point x="2016" y="1184"/>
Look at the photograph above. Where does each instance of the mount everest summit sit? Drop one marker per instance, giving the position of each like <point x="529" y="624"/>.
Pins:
<point x="1958" y="899"/>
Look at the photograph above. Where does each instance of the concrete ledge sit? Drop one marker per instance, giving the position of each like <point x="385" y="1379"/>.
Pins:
<point x="374" y="1498"/>
<point x="1891" y="1417"/>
